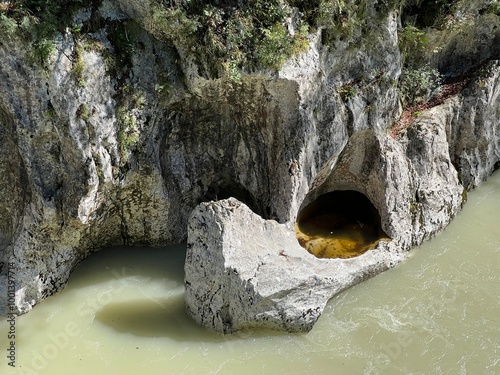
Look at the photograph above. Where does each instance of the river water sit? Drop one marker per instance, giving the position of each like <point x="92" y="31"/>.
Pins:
<point x="122" y="313"/>
<point x="339" y="224"/>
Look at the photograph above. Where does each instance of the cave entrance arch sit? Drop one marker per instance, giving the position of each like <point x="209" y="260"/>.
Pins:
<point x="224" y="187"/>
<point x="339" y="224"/>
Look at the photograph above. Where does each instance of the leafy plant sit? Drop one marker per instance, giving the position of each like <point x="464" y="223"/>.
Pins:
<point x="331" y="11"/>
<point x="341" y="19"/>
<point x="124" y="39"/>
<point x="225" y="38"/>
<point x="277" y="45"/>
<point x="419" y="81"/>
<point x="412" y="44"/>
<point x="174" y="25"/>
<point x="38" y="21"/>
<point x="8" y="26"/>
<point x="43" y="48"/>
<point x="347" y="92"/>
<point x="419" y="85"/>
<point x="494" y="8"/>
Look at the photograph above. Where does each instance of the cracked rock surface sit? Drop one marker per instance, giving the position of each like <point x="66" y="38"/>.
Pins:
<point x="246" y="272"/>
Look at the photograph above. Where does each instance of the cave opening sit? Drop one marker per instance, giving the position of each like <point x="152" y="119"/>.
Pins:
<point x="426" y="13"/>
<point x="339" y="224"/>
<point x="224" y="188"/>
<point x="133" y="290"/>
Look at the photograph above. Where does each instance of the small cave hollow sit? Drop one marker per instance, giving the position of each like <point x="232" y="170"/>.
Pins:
<point x="227" y="188"/>
<point x="339" y="224"/>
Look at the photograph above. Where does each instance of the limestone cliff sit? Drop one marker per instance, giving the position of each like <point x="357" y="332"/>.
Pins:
<point x="120" y="133"/>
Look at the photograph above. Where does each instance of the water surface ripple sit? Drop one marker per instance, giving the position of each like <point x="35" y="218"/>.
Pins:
<point x="437" y="313"/>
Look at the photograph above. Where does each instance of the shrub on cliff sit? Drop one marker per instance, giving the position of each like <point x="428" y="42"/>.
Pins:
<point x="37" y="21"/>
<point x="419" y="81"/>
<point x="419" y="85"/>
<point x="228" y="36"/>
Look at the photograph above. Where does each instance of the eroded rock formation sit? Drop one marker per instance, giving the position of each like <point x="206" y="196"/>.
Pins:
<point x="107" y="144"/>
<point x="240" y="275"/>
<point x="416" y="183"/>
<point x="246" y="272"/>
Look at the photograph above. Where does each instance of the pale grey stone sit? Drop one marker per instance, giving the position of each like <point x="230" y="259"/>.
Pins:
<point x="242" y="271"/>
<point x="246" y="272"/>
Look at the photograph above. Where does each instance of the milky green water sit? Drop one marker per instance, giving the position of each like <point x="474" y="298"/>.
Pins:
<point x="437" y="313"/>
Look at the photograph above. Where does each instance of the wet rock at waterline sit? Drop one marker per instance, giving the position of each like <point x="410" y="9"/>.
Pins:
<point x="242" y="271"/>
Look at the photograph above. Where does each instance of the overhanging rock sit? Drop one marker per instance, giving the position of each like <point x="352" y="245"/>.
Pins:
<point x="245" y="272"/>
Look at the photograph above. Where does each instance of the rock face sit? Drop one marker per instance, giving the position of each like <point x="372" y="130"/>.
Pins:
<point x="246" y="272"/>
<point x="242" y="271"/>
<point x="104" y="144"/>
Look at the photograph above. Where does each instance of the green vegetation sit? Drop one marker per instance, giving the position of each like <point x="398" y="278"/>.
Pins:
<point x="277" y="46"/>
<point x="429" y="13"/>
<point x="37" y="21"/>
<point x="128" y="135"/>
<point x="494" y="8"/>
<point x="450" y="24"/>
<point x="78" y="65"/>
<point x="347" y="92"/>
<point x="8" y="26"/>
<point x="419" y="81"/>
<point x="412" y="43"/>
<point x="50" y="112"/>
<point x="124" y="36"/>
<point x="485" y="72"/>
<point x="419" y="85"/>
<point x="340" y="20"/>
<point x="222" y="37"/>
<point x="83" y="112"/>
<point x="226" y="37"/>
